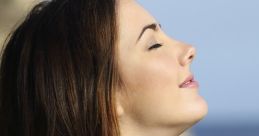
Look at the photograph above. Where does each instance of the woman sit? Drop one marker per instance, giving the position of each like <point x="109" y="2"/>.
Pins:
<point x="96" y="68"/>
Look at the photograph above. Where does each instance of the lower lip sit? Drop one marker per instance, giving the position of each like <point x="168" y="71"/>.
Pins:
<point x="193" y="84"/>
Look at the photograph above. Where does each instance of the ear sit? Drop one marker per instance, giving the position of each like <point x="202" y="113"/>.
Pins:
<point x="119" y="105"/>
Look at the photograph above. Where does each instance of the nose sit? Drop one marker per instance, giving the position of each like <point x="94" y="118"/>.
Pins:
<point x="187" y="55"/>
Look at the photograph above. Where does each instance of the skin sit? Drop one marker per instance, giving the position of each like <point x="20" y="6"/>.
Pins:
<point x="151" y="103"/>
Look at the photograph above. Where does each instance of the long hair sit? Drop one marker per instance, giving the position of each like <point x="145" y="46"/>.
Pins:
<point x="59" y="71"/>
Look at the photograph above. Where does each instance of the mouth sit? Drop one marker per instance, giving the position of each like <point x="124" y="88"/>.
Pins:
<point x="189" y="83"/>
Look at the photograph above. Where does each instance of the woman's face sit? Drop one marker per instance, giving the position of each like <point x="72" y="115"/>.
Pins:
<point x="152" y="75"/>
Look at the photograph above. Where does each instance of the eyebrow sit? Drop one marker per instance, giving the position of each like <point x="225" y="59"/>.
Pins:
<point x="152" y="26"/>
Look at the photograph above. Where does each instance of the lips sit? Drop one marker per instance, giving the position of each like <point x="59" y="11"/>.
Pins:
<point x="189" y="83"/>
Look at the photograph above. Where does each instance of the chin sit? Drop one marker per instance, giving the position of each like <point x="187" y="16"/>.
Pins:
<point x="196" y="112"/>
<point x="188" y="115"/>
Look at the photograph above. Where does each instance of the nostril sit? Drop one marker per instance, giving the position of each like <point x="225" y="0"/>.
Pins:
<point x="191" y="57"/>
<point x="192" y="54"/>
<point x="188" y="55"/>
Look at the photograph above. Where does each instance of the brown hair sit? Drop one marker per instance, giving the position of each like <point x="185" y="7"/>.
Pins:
<point x="59" y="71"/>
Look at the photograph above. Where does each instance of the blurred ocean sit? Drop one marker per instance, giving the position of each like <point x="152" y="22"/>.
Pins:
<point x="251" y="129"/>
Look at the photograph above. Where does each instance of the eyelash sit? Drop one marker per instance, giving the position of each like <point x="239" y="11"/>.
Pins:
<point x="155" y="46"/>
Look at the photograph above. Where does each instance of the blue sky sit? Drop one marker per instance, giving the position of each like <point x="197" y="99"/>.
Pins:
<point x="226" y="36"/>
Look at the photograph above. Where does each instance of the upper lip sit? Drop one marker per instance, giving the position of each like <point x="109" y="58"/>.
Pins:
<point x="188" y="79"/>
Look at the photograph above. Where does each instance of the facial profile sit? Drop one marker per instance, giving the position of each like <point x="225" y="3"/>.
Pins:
<point x="154" y="69"/>
<point x="96" y="68"/>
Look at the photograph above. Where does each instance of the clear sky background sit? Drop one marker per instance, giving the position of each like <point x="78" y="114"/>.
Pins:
<point x="226" y="36"/>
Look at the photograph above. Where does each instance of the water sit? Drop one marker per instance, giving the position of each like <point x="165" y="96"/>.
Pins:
<point x="227" y="130"/>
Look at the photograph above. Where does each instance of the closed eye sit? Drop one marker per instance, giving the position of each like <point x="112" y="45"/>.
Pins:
<point x="155" y="46"/>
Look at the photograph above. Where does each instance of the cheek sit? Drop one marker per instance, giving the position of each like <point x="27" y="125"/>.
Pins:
<point x="156" y="79"/>
<point x="155" y="73"/>
<point x="153" y="84"/>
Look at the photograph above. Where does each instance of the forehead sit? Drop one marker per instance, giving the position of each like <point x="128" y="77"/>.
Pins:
<point x="132" y="18"/>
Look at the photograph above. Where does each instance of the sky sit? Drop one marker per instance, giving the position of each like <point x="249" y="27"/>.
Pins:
<point x="225" y="34"/>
